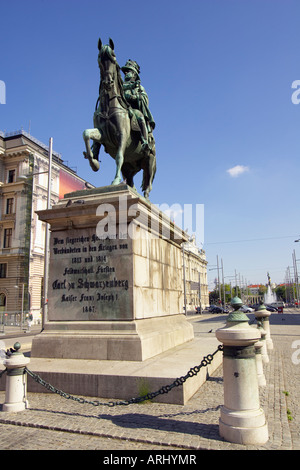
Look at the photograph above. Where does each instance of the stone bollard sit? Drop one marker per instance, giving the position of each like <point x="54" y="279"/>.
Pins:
<point x="242" y="420"/>
<point x="16" y="381"/>
<point x="264" y="349"/>
<point x="259" y="364"/>
<point x="263" y="315"/>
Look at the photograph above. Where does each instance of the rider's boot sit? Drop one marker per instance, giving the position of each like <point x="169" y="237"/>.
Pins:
<point x="144" y="135"/>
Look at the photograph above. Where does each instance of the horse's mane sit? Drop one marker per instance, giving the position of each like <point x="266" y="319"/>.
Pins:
<point x="108" y="53"/>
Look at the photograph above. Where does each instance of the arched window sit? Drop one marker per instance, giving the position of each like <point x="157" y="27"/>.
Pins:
<point x="2" y="306"/>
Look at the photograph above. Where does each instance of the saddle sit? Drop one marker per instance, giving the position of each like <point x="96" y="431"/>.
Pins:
<point x="134" y="125"/>
<point x="134" y="122"/>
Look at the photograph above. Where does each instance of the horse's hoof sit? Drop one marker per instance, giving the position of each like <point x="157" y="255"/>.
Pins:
<point x="94" y="164"/>
<point x="116" y="181"/>
<point x="146" y="196"/>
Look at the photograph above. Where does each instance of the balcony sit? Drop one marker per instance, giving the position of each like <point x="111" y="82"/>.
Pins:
<point x="8" y="217"/>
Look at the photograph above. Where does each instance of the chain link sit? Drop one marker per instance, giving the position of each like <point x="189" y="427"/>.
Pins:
<point x="149" y="396"/>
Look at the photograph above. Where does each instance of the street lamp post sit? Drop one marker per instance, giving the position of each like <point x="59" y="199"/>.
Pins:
<point x="47" y="236"/>
<point x="46" y="255"/>
<point x="22" y="305"/>
<point x="217" y="268"/>
<point x="200" y="302"/>
<point x="296" y="276"/>
<point x="184" y="279"/>
<point x="223" y="281"/>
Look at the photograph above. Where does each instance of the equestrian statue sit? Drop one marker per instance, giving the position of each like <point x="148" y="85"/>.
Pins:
<point x="123" y="123"/>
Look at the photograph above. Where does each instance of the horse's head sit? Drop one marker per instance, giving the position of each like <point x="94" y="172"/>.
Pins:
<point x="108" y="64"/>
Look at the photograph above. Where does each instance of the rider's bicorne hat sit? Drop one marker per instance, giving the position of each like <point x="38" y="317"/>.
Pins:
<point x="131" y="65"/>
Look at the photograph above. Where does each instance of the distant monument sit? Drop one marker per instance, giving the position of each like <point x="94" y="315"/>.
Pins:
<point x="123" y="123"/>
<point x="270" y="296"/>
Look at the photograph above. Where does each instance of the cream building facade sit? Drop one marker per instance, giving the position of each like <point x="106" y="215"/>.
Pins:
<point x="24" y="164"/>
<point x="195" y="276"/>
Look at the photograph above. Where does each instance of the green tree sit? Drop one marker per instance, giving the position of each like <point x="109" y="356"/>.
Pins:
<point x="281" y="293"/>
<point x="214" y="297"/>
<point x="236" y="292"/>
<point x="262" y="290"/>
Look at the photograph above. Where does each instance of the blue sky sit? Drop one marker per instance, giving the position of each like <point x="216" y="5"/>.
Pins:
<point x="219" y="77"/>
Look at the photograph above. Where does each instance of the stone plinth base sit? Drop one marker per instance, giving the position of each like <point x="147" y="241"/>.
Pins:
<point x="14" y="407"/>
<point x="123" y="380"/>
<point x="243" y="427"/>
<point x="112" y="340"/>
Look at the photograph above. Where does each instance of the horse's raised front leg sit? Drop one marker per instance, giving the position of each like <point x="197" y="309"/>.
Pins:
<point x="94" y="134"/>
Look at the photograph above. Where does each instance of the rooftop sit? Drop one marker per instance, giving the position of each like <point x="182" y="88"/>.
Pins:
<point x="6" y="135"/>
<point x="57" y="156"/>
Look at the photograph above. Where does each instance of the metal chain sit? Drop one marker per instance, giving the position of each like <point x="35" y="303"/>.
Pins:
<point x="149" y="396"/>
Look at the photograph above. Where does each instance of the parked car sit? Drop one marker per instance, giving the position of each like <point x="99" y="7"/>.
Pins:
<point x="255" y="306"/>
<point x="246" y="309"/>
<point x="270" y="308"/>
<point x="211" y="307"/>
<point x="217" y="310"/>
<point x="277" y="304"/>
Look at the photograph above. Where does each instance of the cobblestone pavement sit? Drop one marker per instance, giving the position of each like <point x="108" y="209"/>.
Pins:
<point x="55" y="423"/>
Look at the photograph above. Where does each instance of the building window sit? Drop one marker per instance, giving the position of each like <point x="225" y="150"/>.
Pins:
<point x="2" y="300"/>
<point x="11" y="176"/>
<point x="7" y="238"/>
<point x="9" y="205"/>
<point x="3" y="270"/>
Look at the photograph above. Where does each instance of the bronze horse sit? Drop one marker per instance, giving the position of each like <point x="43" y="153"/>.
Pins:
<point x="115" y="129"/>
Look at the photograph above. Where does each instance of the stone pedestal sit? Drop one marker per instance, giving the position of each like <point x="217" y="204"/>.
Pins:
<point x="242" y="420"/>
<point x="115" y="287"/>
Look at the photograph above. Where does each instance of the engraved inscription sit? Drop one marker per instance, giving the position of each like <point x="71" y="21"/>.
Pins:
<point x="90" y="278"/>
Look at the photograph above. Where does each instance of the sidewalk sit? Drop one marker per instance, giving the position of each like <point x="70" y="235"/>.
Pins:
<point x="56" y="423"/>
